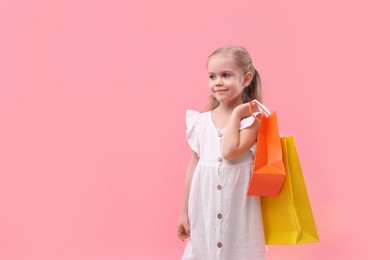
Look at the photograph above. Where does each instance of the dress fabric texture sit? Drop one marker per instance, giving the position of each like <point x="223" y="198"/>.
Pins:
<point x="225" y="222"/>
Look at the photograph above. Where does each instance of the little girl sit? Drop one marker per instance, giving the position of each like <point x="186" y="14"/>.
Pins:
<point x="219" y="218"/>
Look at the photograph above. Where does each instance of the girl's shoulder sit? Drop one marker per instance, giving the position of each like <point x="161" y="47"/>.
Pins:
<point x="196" y="119"/>
<point x="194" y="114"/>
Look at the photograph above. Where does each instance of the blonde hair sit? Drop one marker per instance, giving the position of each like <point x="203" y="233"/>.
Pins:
<point x="243" y="60"/>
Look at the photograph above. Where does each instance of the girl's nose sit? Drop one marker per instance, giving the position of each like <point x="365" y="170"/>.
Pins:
<point x="218" y="82"/>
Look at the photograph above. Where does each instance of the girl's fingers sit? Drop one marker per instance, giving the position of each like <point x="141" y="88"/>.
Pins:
<point x="254" y="106"/>
<point x="183" y="232"/>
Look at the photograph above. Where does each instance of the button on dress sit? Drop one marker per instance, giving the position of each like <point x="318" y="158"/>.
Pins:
<point x="225" y="222"/>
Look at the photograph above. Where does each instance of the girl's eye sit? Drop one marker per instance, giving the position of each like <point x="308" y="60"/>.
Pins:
<point x="226" y="75"/>
<point x="212" y="77"/>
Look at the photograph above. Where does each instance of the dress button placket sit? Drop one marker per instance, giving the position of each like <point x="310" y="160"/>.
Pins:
<point x="218" y="209"/>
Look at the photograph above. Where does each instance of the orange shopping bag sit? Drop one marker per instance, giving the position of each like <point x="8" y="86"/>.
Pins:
<point x="268" y="171"/>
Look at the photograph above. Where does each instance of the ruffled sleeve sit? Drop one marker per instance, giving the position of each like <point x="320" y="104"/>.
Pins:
<point x="192" y="131"/>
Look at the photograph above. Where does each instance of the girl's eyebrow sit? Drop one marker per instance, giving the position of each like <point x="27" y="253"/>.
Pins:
<point x="223" y="71"/>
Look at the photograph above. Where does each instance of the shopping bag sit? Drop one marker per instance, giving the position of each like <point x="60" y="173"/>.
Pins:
<point x="288" y="218"/>
<point x="268" y="171"/>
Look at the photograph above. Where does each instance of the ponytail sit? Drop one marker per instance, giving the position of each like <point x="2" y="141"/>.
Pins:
<point x="253" y="90"/>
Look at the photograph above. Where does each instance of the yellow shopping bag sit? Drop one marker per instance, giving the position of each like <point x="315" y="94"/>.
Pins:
<point x="288" y="218"/>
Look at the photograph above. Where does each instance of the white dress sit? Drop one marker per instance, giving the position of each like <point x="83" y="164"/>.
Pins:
<point x="225" y="222"/>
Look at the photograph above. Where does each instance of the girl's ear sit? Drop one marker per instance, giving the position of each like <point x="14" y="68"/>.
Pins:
<point x="247" y="79"/>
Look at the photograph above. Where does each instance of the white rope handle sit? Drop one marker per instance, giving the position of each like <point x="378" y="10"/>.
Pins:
<point x="266" y="111"/>
<point x="262" y="107"/>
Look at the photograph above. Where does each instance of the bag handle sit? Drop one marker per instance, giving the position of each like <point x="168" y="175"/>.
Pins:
<point x="262" y="107"/>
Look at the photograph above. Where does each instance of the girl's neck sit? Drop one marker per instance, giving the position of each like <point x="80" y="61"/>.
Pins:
<point x="228" y="107"/>
<point x="221" y="114"/>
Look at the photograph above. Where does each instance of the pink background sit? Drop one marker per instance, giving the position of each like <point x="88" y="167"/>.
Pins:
<point x="92" y="103"/>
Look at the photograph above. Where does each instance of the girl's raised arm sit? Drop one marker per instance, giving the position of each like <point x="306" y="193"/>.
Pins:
<point x="235" y="142"/>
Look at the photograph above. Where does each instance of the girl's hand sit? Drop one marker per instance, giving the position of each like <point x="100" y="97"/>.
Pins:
<point x="183" y="228"/>
<point x="243" y="111"/>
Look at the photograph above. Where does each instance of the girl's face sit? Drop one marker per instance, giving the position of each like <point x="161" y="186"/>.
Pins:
<point x="226" y="80"/>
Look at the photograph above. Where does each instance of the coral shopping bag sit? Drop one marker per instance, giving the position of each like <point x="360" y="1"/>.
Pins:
<point x="268" y="171"/>
<point x="288" y="218"/>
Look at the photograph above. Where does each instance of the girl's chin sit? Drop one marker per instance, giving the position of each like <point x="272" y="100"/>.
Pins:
<point x="220" y="95"/>
<point x="219" y="98"/>
<point x="227" y="100"/>
<point x="222" y="100"/>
